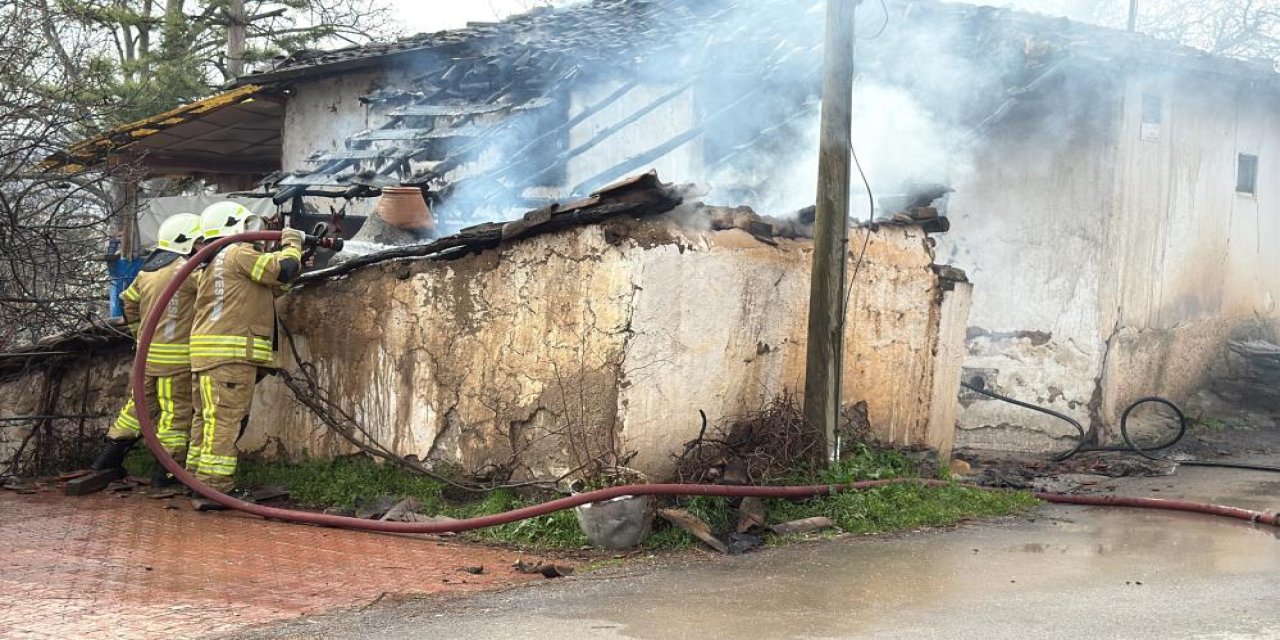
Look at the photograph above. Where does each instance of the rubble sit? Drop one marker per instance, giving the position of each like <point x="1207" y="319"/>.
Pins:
<point x="545" y="569"/>
<point x="752" y="514"/>
<point x="740" y="543"/>
<point x="1012" y="472"/>
<point x="402" y="511"/>
<point x="268" y="492"/>
<point x="93" y="482"/>
<point x="375" y="508"/>
<point x="804" y="525"/>
<point x="695" y="526"/>
<point x="639" y="196"/>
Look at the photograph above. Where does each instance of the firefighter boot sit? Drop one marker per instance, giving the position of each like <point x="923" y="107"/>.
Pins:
<point x="112" y="454"/>
<point x="107" y="468"/>
<point x="160" y="478"/>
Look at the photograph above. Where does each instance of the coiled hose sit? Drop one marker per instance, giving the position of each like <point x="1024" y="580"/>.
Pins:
<point x="1130" y="445"/>
<point x="138" y="378"/>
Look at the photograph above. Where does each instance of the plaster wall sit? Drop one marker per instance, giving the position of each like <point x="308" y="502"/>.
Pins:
<point x="1111" y="260"/>
<point x="521" y="360"/>
<point x="1192" y="263"/>
<point x="1029" y="227"/>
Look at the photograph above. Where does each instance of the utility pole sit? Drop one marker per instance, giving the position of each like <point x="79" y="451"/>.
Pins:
<point x="823" y="355"/>
<point x="237" y="20"/>
<point x="1133" y="16"/>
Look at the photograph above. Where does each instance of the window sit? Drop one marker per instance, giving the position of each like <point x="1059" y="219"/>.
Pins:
<point x="1247" y="174"/>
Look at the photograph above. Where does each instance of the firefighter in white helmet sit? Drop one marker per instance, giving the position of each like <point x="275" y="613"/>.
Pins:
<point x="168" y="372"/>
<point x="233" y="336"/>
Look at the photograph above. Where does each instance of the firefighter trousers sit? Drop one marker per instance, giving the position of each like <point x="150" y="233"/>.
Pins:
<point x="169" y="404"/>
<point x="222" y="397"/>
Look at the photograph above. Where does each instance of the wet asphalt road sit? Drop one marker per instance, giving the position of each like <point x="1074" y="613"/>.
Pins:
<point x="1070" y="572"/>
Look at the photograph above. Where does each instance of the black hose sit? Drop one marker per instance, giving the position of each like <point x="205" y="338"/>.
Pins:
<point x="1130" y="445"/>
<point x="981" y="388"/>
<point x="1124" y="427"/>
<point x="1230" y="465"/>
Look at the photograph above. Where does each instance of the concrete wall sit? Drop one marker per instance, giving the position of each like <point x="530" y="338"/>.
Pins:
<point x="509" y="352"/>
<point x="1109" y="264"/>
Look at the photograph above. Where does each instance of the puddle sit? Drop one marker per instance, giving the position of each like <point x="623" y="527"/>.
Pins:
<point x="886" y="587"/>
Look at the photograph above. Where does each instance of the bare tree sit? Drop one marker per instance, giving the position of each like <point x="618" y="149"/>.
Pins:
<point x="1235" y="28"/>
<point x="155" y="54"/>
<point x="53" y="227"/>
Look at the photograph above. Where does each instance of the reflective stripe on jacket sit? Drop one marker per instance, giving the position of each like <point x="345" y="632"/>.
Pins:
<point x="169" y="353"/>
<point x="235" y="307"/>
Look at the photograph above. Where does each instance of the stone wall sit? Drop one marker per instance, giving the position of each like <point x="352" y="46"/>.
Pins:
<point x="527" y="359"/>
<point x="72" y="401"/>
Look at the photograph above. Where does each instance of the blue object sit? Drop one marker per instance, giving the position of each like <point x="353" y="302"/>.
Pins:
<point x="122" y="272"/>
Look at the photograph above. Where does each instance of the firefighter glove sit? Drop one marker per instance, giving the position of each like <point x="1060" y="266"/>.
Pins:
<point x="291" y="238"/>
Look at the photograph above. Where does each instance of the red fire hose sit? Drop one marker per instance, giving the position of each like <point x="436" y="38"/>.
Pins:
<point x="138" y="379"/>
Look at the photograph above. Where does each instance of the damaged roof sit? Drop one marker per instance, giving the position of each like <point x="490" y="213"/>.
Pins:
<point x="590" y="31"/>
<point x="242" y="124"/>
<point x="469" y="86"/>
<point x="632" y="24"/>
<point x="473" y="85"/>
<point x="639" y="196"/>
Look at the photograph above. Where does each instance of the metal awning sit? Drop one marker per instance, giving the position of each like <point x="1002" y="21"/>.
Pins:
<point x="238" y="131"/>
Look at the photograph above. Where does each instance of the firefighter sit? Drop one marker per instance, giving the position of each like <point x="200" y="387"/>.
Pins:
<point x="168" y="381"/>
<point x="233" y="337"/>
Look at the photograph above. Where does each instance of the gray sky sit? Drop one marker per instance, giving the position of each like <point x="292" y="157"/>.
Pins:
<point x="421" y="16"/>
<point x="424" y="16"/>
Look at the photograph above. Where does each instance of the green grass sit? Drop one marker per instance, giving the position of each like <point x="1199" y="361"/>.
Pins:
<point x="350" y="482"/>
<point x="343" y="482"/>
<point x="880" y="510"/>
<point x="139" y="461"/>
<point x="1217" y="424"/>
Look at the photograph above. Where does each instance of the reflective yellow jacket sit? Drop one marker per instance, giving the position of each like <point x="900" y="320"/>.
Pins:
<point x="235" y="306"/>
<point x="169" y="353"/>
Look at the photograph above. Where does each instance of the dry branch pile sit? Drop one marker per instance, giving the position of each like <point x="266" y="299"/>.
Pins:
<point x="768" y="445"/>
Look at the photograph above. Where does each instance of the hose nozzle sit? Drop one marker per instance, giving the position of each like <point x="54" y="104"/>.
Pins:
<point x="325" y="243"/>
<point x="317" y="238"/>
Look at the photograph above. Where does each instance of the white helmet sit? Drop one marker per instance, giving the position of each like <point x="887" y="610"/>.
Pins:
<point x="227" y="218"/>
<point x="179" y="232"/>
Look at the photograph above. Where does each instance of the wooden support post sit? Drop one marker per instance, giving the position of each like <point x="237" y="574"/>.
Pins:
<point x="130" y="237"/>
<point x="830" y="230"/>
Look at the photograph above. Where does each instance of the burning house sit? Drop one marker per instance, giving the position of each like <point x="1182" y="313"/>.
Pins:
<point x="1107" y="196"/>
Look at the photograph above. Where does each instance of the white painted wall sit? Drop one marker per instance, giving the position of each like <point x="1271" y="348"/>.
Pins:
<point x="673" y="117"/>
<point x="1193" y="259"/>
<point x="1108" y="266"/>
<point x="1029" y="227"/>
<point x="323" y="113"/>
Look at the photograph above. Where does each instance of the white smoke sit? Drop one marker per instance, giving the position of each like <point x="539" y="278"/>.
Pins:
<point x="922" y="85"/>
